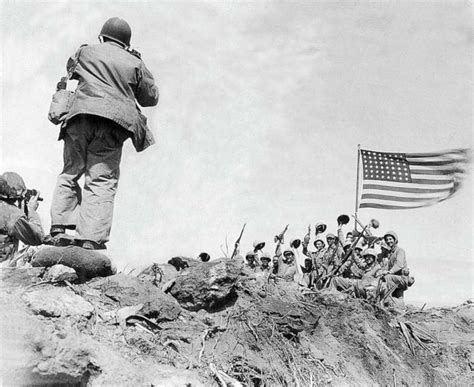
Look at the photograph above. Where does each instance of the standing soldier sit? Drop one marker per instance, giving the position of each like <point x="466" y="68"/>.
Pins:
<point x="334" y="252"/>
<point x="112" y="78"/>
<point x="15" y="224"/>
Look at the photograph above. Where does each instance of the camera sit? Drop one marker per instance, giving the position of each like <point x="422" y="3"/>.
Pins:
<point x="30" y="193"/>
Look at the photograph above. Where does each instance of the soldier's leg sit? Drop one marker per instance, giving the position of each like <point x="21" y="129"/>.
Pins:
<point x="101" y="180"/>
<point x="341" y="284"/>
<point x="67" y="193"/>
<point x="399" y="282"/>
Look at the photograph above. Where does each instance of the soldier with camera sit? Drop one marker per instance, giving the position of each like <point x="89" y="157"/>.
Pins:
<point x="19" y="220"/>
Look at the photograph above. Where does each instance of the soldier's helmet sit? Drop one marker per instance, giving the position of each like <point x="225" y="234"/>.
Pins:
<point x="12" y="186"/>
<point x="204" y="257"/>
<point x="118" y="30"/>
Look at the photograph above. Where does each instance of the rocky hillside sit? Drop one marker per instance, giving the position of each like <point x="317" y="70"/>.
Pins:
<point x="215" y="324"/>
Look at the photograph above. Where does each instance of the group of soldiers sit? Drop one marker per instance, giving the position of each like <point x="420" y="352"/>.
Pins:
<point x="358" y="263"/>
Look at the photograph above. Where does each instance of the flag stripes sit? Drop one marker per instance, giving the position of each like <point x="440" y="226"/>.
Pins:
<point x="410" y="180"/>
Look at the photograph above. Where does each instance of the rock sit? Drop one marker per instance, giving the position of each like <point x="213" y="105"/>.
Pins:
<point x="58" y="273"/>
<point x="130" y="291"/>
<point x="18" y="277"/>
<point x="207" y="285"/>
<point x="56" y="302"/>
<point x="87" y="263"/>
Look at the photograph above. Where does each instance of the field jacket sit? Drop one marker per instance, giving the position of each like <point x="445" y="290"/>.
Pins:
<point x="111" y="80"/>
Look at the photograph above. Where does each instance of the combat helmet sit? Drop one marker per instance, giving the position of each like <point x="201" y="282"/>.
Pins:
<point x="118" y="30"/>
<point x="12" y="185"/>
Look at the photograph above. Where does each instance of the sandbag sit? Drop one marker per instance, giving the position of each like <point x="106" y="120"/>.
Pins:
<point x="87" y="263"/>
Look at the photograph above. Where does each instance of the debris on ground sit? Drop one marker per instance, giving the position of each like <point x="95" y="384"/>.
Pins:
<point x="219" y="326"/>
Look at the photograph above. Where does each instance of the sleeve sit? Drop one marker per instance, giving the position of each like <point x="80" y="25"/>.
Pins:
<point x="305" y="249"/>
<point x="147" y="93"/>
<point x="29" y="231"/>
<point x="278" y="249"/>
<point x="400" y="262"/>
<point x="340" y="237"/>
<point x="72" y="62"/>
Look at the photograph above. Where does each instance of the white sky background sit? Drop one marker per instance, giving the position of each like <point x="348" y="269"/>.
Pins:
<point x="262" y="107"/>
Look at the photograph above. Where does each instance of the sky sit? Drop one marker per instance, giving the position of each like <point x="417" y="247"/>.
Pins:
<point x="262" y="107"/>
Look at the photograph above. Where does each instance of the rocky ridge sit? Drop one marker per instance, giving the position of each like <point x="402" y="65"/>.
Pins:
<point x="216" y="324"/>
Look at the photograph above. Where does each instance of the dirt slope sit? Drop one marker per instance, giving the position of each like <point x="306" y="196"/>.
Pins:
<point x="227" y="328"/>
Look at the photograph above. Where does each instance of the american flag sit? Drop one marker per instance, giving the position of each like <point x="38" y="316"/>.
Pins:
<point x="395" y="181"/>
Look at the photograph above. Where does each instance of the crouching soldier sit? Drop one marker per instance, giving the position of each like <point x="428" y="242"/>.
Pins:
<point x="396" y="275"/>
<point x="17" y="223"/>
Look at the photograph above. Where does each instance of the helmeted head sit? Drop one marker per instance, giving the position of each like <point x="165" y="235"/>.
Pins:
<point x="258" y="244"/>
<point x="295" y="243"/>
<point x="358" y="248"/>
<point x="289" y="256"/>
<point x="12" y="186"/>
<point x="369" y="255"/>
<point x="205" y="257"/>
<point x="265" y="259"/>
<point x="331" y="239"/>
<point x="319" y="244"/>
<point x="117" y="30"/>
<point x="390" y="238"/>
<point x="250" y="258"/>
<point x="347" y="245"/>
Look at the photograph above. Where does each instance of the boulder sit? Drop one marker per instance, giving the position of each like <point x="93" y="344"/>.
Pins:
<point x="20" y="277"/>
<point x="87" y="263"/>
<point x="207" y="285"/>
<point x="58" y="273"/>
<point x="130" y="291"/>
<point x="57" y="302"/>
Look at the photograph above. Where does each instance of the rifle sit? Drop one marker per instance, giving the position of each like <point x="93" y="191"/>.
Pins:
<point x="237" y="242"/>
<point x="344" y="258"/>
<point x="369" y="237"/>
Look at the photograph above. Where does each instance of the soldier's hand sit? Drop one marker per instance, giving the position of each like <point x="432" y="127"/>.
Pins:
<point x="33" y="204"/>
<point x="306" y="239"/>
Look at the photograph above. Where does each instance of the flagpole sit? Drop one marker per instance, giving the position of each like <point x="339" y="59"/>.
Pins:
<point x="357" y="185"/>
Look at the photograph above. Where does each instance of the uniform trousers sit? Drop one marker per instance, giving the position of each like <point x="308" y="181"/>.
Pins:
<point x="93" y="149"/>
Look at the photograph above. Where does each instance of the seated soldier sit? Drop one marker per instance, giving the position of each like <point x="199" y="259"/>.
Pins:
<point x="353" y="270"/>
<point x="16" y="224"/>
<point x="365" y="286"/>
<point x="395" y="274"/>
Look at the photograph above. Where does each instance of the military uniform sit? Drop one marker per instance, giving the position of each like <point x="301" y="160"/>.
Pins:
<point x="103" y="115"/>
<point x="397" y="270"/>
<point x="15" y="226"/>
